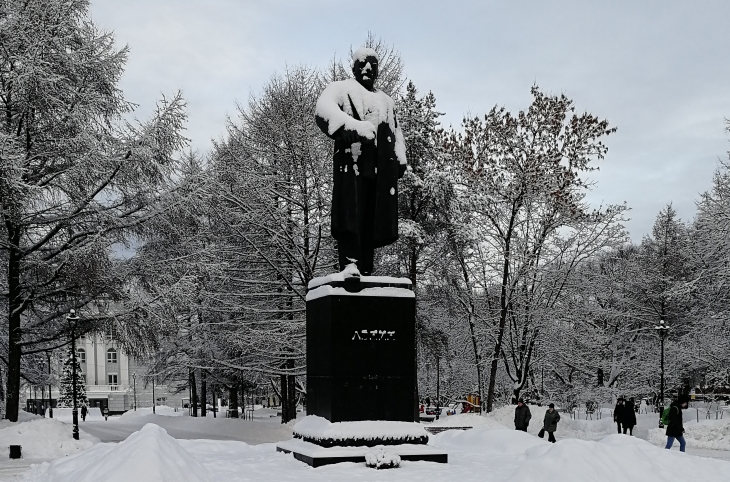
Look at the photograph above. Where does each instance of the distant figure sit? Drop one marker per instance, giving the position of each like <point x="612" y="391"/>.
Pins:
<point x="522" y="416"/>
<point x="643" y="406"/>
<point x="106" y="413"/>
<point x="618" y="413"/>
<point x="628" y="418"/>
<point x="550" y="423"/>
<point x="675" y="428"/>
<point x="84" y="411"/>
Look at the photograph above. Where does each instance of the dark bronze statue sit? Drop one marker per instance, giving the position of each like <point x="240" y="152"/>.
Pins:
<point x="369" y="159"/>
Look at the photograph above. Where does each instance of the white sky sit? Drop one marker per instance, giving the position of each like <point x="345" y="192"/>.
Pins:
<point x="658" y="70"/>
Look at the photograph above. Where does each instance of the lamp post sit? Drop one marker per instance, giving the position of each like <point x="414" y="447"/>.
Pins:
<point x="662" y="329"/>
<point x="50" y="397"/>
<point x="438" y="386"/>
<point x="154" y="400"/>
<point x="73" y="321"/>
<point x="134" y="385"/>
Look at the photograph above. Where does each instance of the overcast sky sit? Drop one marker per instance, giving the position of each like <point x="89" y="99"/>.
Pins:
<point x="658" y="70"/>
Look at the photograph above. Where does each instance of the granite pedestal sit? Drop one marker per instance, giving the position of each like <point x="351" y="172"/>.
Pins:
<point x="361" y="349"/>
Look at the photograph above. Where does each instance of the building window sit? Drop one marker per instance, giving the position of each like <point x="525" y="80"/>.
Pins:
<point x="112" y="379"/>
<point x="81" y="355"/>
<point x="111" y="356"/>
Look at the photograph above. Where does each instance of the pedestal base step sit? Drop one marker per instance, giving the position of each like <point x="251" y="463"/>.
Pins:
<point x="317" y="456"/>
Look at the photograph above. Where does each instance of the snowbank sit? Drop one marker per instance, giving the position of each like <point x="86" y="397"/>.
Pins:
<point x="46" y="438"/>
<point x="615" y="457"/>
<point x="591" y="429"/>
<point x="23" y="416"/>
<point x="488" y="440"/>
<point x="163" y="411"/>
<point x="149" y="455"/>
<point x="470" y="420"/>
<point x="705" y="434"/>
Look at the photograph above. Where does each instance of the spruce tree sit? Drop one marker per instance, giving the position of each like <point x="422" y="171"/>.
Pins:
<point x="65" y="398"/>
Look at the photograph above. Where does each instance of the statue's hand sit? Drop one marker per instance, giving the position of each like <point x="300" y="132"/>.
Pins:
<point x="367" y="131"/>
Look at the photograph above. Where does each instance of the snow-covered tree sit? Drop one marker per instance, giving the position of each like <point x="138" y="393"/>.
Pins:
<point x="520" y="181"/>
<point x="75" y="179"/>
<point x="65" y="387"/>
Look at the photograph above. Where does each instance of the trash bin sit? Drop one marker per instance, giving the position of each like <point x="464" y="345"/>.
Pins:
<point x="15" y="451"/>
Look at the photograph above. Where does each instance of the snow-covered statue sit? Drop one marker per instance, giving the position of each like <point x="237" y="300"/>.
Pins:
<point x="369" y="159"/>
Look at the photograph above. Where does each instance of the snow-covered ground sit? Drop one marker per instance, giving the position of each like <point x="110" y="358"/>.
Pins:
<point x="491" y="451"/>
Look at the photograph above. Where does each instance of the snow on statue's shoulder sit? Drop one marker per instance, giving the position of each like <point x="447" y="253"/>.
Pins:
<point x="338" y="96"/>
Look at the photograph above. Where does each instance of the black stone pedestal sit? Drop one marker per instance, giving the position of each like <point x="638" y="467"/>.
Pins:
<point x="361" y="348"/>
<point x="361" y="351"/>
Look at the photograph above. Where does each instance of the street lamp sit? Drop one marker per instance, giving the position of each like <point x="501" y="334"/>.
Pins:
<point x="50" y="397"/>
<point x="154" y="400"/>
<point x="438" y="386"/>
<point x="663" y="330"/>
<point x="134" y="385"/>
<point x="73" y="321"/>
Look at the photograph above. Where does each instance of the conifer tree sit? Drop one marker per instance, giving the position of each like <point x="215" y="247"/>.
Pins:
<point x="65" y="388"/>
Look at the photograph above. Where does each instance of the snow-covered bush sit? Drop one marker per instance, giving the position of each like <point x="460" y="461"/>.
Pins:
<point x="382" y="459"/>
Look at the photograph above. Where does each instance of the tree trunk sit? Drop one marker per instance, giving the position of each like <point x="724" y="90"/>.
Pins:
<point x="284" y="399"/>
<point x="291" y="389"/>
<point x="475" y="347"/>
<point x="12" y="400"/>
<point x="193" y="394"/>
<point x="203" y="394"/>
<point x="503" y="307"/>
<point x="233" y="401"/>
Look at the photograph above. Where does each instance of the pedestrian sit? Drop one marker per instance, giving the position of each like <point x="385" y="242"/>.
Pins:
<point x="550" y="423"/>
<point x="522" y="416"/>
<point x="618" y="413"/>
<point x="106" y="413"/>
<point x="84" y="410"/>
<point x="628" y="417"/>
<point x="675" y="428"/>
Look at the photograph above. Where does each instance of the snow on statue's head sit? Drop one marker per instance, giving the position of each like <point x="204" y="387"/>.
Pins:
<point x="365" y="66"/>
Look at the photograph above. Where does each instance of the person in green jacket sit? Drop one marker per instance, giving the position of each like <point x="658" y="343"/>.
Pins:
<point x="550" y="424"/>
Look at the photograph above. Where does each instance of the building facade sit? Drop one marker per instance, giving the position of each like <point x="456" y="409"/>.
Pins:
<point x="112" y="379"/>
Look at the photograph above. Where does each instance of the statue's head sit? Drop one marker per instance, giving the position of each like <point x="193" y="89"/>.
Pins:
<point x="365" y="66"/>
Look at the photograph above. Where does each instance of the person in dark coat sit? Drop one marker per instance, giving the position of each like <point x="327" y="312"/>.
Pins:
<point x="522" y="416"/>
<point x="84" y="411"/>
<point x="618" y="413"/>
<point x="628" y="416"/>
<point x="675" y="428"/>
<point x="369" y="158"/>
<point x="550" y="423"/>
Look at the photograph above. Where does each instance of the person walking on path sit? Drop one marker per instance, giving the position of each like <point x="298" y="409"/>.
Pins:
<point x="84" y="410"/>
<point x="522" y="416"/>
<point x="675" y="428"/>
<point x="550" y="423"/>
<point x="618" y="413"/>
<point x="628" y="417"/>
<point x="106" y="413"/>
